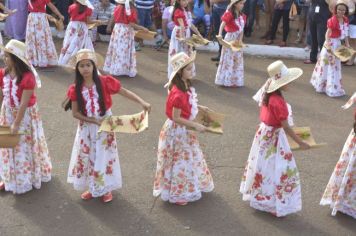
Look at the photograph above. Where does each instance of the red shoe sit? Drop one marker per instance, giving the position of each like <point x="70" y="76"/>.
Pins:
<point x="181" y="203"/>
<point x="2" y="185"/>
<point x="107" y="197"/>
<point x="86" y="195"/>
<point x="309" y="62"/>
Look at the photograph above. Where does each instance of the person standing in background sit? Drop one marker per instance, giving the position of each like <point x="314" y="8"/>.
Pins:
<point x="15" y="26"/>
<point x="250" y="11"/>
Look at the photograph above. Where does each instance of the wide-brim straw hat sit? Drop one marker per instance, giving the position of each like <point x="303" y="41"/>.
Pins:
<point x="18" y="49"/>
<point x="349" y="3"/>
<point x="83" y="2"/>
<point x="120" y="1"/>
<point x="179" y="61"/>
<point x="86" y="54"/>
<point x="233" y="2"/>
<point x="281" y="75"/>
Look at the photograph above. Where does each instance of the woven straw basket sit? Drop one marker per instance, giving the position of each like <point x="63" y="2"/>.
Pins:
<point x="8" y="140"/>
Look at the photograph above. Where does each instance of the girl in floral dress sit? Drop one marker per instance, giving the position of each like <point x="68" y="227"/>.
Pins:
<point x="77" y="36"/>
<point x="231" y="66"/>
<point x="183" y="24"/>
<point x="28" y="164"/>
<point x="94" y="162"/>
<point x="41" y="51"/>
<point x="327" y="75"/>
<point x="182" y="173"/>
<point x="121" y="55"/>
<point x="271" y="179"/>
<point x="340" y="193"/>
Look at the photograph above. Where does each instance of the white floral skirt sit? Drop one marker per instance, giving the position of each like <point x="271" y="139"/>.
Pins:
<point x="76" y="38"/>
<point x="327" y="75"/>
<point x="40" y="50"/>
<point x="230" y="72"/>
<point x="28" y="164"/>
<point x="340" y="193"/>
<point x="271" y="179"/>
<point x="175" y="46"/>
<point x="121" y="56"/>
<point x="182" y="173"/>
<point x="94" y="163"/>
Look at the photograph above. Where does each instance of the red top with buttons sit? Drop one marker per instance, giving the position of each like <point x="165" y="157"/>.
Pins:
<point x="121" y="17"/>
<point x="275" y="112"/>
<point x="230" y="23"/>
<point x="38" y="6"/>
<point x="180" y="14"/>
<point x="334" y="25"/>
<point x="28" y="82"/>
<point x="74" y="13"/>
<point x="110" y="86"/>
<point x="180" y="100"/>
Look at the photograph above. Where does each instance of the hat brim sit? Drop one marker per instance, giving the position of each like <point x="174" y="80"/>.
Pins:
<point x="233" y="2"/>
<point x="293" y="74"/>
<point x="83" y="2"/>
<point x="190" y="60"/>
<point x="3" y="48"/>
<point x="99" y="61"/>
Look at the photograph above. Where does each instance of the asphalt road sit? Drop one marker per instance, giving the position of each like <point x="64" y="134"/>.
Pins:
<point x="56" y="209"/>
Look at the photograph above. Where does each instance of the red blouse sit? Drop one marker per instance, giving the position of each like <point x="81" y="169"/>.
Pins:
<point x="121" y="17"/>
<point x="38" y="6"/>
<point x="229" y="19"/>
<point x="74" y="13"/>
<point x="28" y="82"/>
<point x="179" y="13"/>
<point x="275" y="112"/>
<point x="178" y="99"/>
<point x="110" y="86"/>
<point x="334" y="25"/>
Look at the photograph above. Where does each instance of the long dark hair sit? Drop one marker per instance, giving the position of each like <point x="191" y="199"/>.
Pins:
<point x="266" y="97"/>
<point x="79" y="81"/>
<point x="175" y="7"/>
<point x="18" y="66"/>
<point x="178" y="82"/>
<point x="232" y="9"/>
<point x="82" y="8"/>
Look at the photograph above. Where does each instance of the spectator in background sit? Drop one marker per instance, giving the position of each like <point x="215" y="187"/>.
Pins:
<point x="167" y="22"/>
<point x="201" y="16"/>
<point x="15" y="26"/>
<point x="352" y="36"/>
<point x="317" y="17"/>
<point x="62" y="6"/>
<point x="218" y="9"/>
<point x="250" y="11"/>
<point x="302" y="8"/>
<point x="144" y="12"/>
<point x="281" y="10"/>
<point x="269" y="9"/>
<point x="103" y="10"/>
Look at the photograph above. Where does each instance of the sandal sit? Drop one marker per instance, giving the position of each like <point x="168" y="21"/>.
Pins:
<point x="86" y="195"/>
<point x="107" y="197"/>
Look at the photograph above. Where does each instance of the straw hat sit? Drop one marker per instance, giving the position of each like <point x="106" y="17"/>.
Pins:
<point x="18" y="49"/>
<point x="83" y="2"/>
<point x="280" y="75"/>
<point x="233" y="2"/>
<point x="179" y="61"/>
<point x="349" y="3"/>
<point x="84" y="54"/>
<point x="122" y="1"/>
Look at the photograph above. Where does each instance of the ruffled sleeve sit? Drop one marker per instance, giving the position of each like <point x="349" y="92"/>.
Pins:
<point x="88" y="12"/>
<point x="279" y="108"/>
<point x="71" y="9"/>
<point x="28" y="81"/>
<point x="111" y="84"/>
<point x="71" y="93"/>
<point x="178" y="13"/>
<point x="332" y="23"/>
<point x="2" y="74"/>
<point x="177" y="98"/>
<point x="227" y="17"/>
<point x="133" y="17"/>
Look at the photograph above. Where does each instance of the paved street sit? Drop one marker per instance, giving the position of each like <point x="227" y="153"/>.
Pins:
<point x="56" y="209"/>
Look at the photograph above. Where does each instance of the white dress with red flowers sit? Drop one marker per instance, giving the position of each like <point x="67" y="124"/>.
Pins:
<point x="327" y="75"/>
<point x="230" y="72"/>
<point x="182" y="173"/>
<point x="40" y="49"/>
<point x="340" y="193"/>
<point x="271" y="179"/>
<point x="121" y="56"/>
<point x="94" y="161"/>
<point x="28" y="164"/>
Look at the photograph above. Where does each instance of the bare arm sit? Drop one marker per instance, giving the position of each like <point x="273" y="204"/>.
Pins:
<point x="1" y="97"/>
<point x="221" y="28"/>
<point x="291" y="133"/>
<point x="138" y="27"/>
<point x="78" y="115"/>
<point x="195" y="30"/>
<point x="110" y="24"/>
<point x="188" y="123"/>
<point x="25" y="98"/>
<point x="55" y="10"/>
<point x="133" y="97"/>
<point x="181" y="25"/>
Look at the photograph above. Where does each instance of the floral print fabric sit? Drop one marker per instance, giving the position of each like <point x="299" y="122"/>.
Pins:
<point x="28" y="164"/>
<point x="271" y="179"/>
<point x="327" y="75"/>
<point x="230" y="71"/>
<point x="40" y="50"/>
<point x="340" y="193"/>
<point x="76" y="38"/>
<point x="94" y="161"/>
<point x="121" y="56"/>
